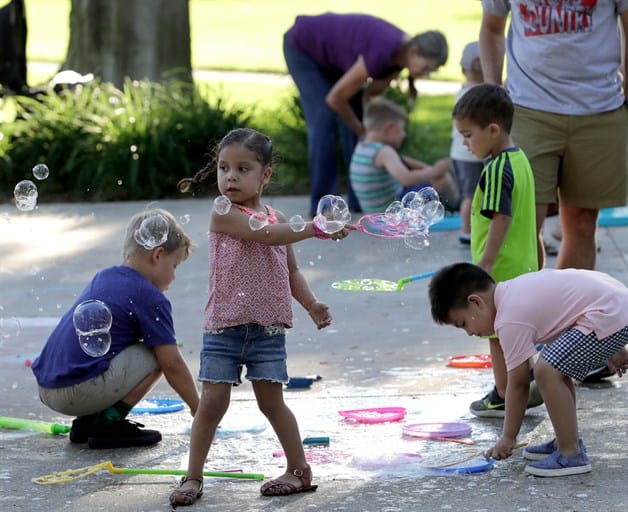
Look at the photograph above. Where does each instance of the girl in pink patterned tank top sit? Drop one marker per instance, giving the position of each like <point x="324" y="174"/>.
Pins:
<point x="253" y="278"/>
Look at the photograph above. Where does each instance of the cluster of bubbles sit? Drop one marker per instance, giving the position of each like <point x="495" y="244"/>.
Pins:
<point x="416" y="212"/>
<point x="259" y="220"/>
<point x="153" y="232"/>
<point x="92" y="322"/>
<point x="332" y="214"/>
<point x="25" y="192"/>
<point x="410" y="217"/>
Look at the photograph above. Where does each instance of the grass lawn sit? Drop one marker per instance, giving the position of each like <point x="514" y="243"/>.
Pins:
<point x="247" y="34"/>
<point x="240" y="35"/>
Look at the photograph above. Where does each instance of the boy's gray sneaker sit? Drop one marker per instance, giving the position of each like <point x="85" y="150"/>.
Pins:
<point x="490" y="406"/>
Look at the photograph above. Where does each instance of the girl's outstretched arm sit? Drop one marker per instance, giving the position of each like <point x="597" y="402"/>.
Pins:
<point x="304" y="295"/>
<point x="236" y="224"/>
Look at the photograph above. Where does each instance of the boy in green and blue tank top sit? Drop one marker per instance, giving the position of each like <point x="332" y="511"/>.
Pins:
<point x="503" y="225"/>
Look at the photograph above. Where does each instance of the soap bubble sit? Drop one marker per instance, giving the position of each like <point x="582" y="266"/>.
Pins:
<point x="436" y="213"/>
<point x="92" y="322"/>
<point x="418" y="243"/>
<point x="258" y="221"/>
<point x="427" y="195"/>
<point x="222" y="205"/>
<point x="297" y="224"/>
<point x="9" y="327"/>
<point x="184" y="219"/>
<point x="25" y="193"/>
<point x="332" y="214"/>
<point x="153" y="232"/>
<point x="393" y="213"/>
<point x="41" y="171"/>
<point x="408" y="197"/>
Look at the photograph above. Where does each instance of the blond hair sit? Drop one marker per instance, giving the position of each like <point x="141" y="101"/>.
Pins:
<point x="176" y="238"/>
<point x="380" y="111"/>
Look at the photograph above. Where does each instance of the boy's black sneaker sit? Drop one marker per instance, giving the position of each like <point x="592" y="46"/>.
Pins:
<point x="490" y="406"/>
<point x="122" y="434"/>
<point x="494" y="406"/>
<point x="81" y="429"/>
<point x="598" y="374"/>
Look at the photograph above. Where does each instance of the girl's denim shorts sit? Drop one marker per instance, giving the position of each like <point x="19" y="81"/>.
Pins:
<point x="262" y="349"/>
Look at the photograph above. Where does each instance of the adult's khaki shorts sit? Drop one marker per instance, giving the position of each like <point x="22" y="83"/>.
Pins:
<point x="125" y="372"/>
<point x="581" y="160"/>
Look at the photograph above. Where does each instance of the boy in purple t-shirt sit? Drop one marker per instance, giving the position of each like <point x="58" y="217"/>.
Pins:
<point x="100" y="387"/>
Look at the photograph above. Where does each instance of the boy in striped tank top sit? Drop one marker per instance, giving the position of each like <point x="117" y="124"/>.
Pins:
<point x="379" y="175"/>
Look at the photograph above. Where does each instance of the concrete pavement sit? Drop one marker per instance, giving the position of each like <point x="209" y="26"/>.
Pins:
<point x="381" y="350"/>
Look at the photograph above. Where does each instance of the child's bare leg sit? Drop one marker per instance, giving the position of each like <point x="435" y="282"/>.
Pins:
<point x="499" y="366"/>
<point x="560" y="399"/>
<point x="465" y="215"/>
<point x="213" y="404"/>
<point x="270" y="401"/>
<point x="619" y="362"/>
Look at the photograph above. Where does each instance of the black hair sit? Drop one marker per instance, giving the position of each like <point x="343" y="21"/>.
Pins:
<point x="485" y="104"/>
<point x="258" y="143"/>
<point x="451" y="285"/>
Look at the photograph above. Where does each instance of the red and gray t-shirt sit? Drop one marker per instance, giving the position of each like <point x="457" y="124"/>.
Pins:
<point x="563" y="56"/>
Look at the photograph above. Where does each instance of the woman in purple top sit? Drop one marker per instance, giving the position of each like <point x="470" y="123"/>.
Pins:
<point x="338" y="61"/>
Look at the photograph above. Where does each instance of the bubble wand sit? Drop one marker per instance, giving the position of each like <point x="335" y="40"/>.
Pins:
<point x="74" y="474"/>
<point x="34" y="425"/>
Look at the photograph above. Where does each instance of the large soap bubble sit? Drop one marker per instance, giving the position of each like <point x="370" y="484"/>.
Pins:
<point x="92" y="321"/>
<point x="153" y="232"/>
<point x="332" y="214"/>
<point x="222" y="205"/>
<point x="25" y="193"/>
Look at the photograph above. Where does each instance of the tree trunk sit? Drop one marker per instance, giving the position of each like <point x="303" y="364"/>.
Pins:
<point x="138" y="39"/>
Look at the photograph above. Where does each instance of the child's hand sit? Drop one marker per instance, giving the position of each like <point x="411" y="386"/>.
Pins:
<point x="319" y="313"/>
<point x="502" y="449"/>
<point x="618" y="363"/>
<point x="338" y="235"/>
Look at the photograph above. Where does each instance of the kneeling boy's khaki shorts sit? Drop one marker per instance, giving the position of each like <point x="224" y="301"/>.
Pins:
<point x="125" y="372"/>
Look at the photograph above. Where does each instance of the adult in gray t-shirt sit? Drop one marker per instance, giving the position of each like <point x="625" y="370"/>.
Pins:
<point x="564" y="74"/>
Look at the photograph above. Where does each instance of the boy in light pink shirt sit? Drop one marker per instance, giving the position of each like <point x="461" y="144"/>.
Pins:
<point x="582" y="318"/>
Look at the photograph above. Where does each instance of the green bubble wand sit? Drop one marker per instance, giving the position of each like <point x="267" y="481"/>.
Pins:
<point x="33" y="425"/>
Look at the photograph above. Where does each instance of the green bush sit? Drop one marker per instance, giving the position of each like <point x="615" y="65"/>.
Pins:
<point x="101" y="143"/>
<point x="429" y="128"/>
<point x="286" y="128"/>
